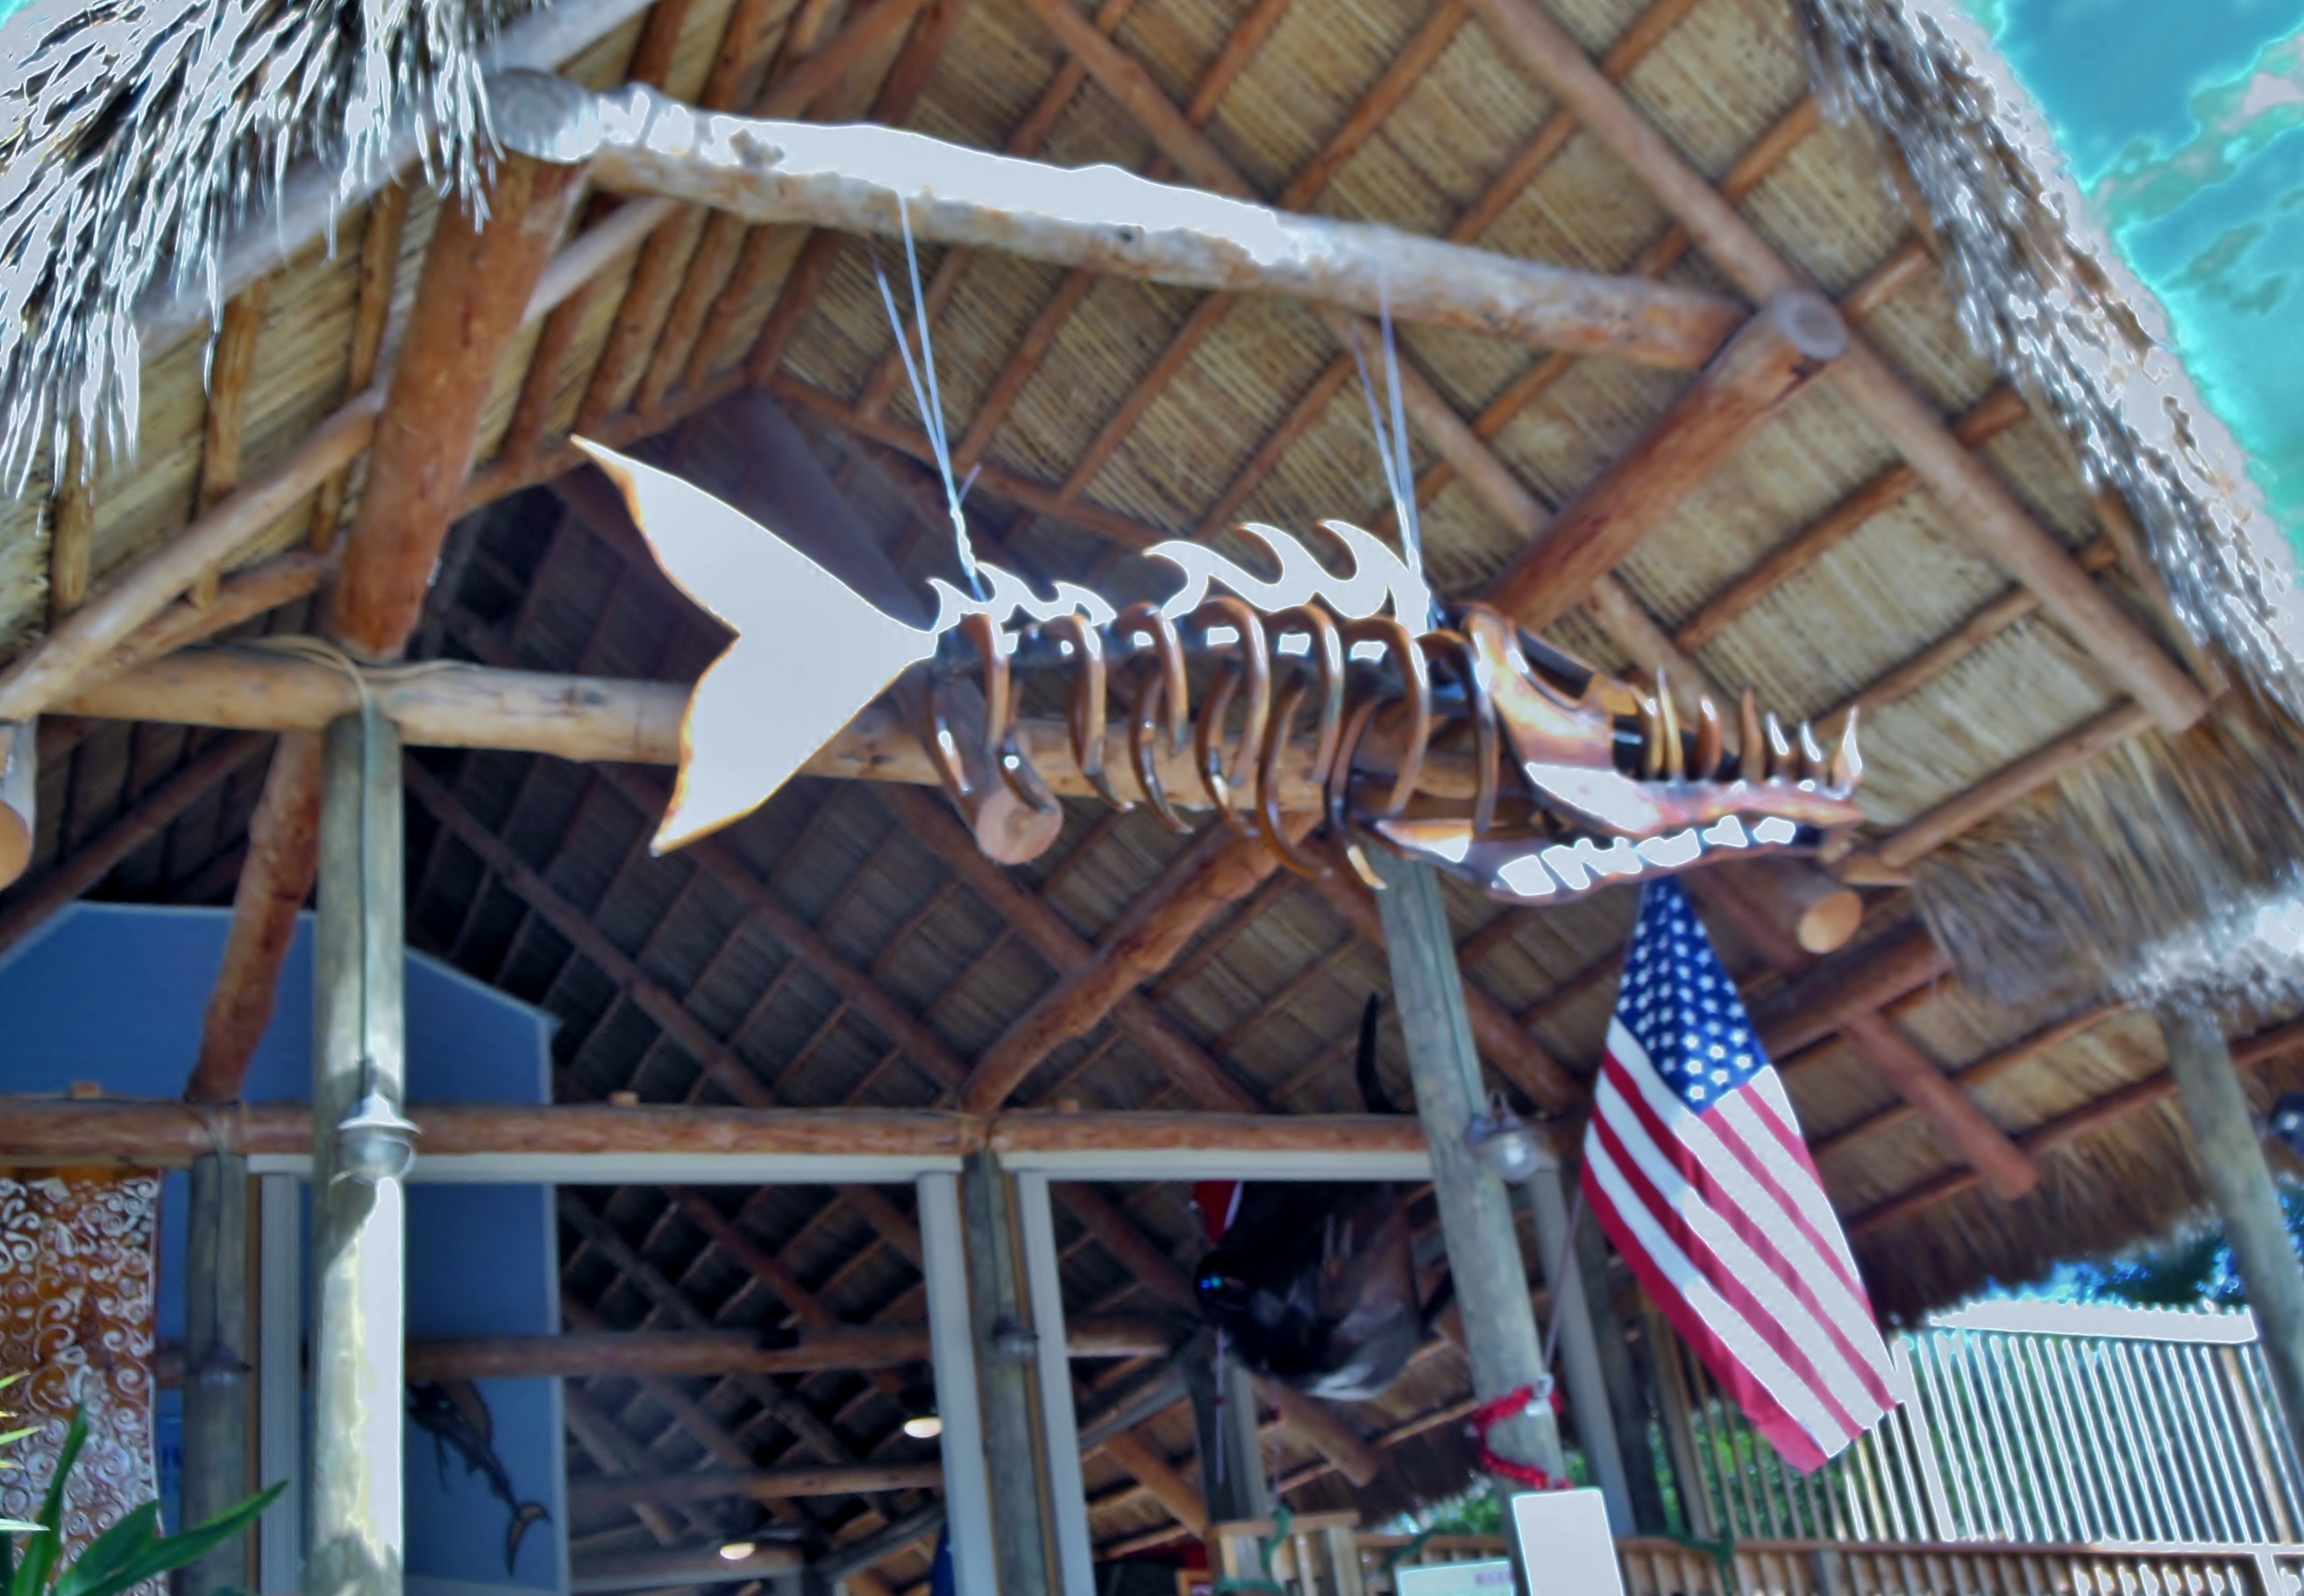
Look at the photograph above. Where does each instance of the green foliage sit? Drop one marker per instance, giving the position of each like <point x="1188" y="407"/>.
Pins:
<point x="1477" y="1512"/>
<point x="124" y="1557"/>
<point x="2192" y="1269"/>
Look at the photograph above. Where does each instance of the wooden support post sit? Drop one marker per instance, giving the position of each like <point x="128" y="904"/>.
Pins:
<point x="358" y="1229"/>
<point x="1067" y="1491"/>
<point x="1000" y="1324"/>
<point x="952" y="1339"/>
<point x="1627" y="1385"/>
<point x="2233" y="1167"/>
<point x="1475" y="1210"/>
<point x="1224" y="1429"/>
<point x="216" y="1362"/>
<point x="1580" y="1347"/>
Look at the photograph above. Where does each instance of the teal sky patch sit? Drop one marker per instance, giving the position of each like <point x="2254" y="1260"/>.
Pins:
<point x="2184" y="121"/>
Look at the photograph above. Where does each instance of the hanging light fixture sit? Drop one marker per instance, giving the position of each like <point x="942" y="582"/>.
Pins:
<point x="375" y="1143"/>
<point x="1505" y="1143"/>
<point x="924" y="1426"/>
<point x="736" y="1552"/>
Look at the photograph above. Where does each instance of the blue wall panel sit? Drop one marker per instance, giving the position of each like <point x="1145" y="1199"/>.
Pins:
<point x="481" y="1260"/>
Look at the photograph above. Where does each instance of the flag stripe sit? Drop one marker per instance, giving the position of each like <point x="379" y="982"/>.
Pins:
<point x="1775" y="1112"/>
<point x="1742" y="1190"/>
<point x="1745" y="1284"/>
<point x="1747" y="1253"/>
<point x="1683" y="1296"/>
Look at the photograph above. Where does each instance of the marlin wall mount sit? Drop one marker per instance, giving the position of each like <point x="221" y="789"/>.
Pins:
<point x="1400" y="727"/>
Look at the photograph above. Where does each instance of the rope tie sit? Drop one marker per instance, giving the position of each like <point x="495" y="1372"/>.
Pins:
<point x="1518" y="1403"/>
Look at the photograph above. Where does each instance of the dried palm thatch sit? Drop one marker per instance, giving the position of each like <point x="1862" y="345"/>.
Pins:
<point x="2047" y="298"/>
<point x="2167" y="870"/>
<point x="134" y="134"/>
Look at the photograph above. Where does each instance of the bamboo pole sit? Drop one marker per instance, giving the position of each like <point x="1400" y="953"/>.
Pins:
<point x="217" y="1457"/>
<point x="1475" y="1210"/>
<point x="358" y="1229"/>
<point x="853" y="179"/>
<point x="2231" y="1165"/>
<point x="999" y="1319"/>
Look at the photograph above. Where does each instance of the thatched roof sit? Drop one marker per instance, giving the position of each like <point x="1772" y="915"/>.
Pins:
<point x="1107" y="412"/>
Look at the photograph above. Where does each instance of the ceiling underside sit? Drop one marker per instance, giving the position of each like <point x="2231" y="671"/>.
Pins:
<point x="1107" y="413"/>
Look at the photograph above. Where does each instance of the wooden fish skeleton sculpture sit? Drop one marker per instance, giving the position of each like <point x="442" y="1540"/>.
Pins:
<point x="1606" y="785"/>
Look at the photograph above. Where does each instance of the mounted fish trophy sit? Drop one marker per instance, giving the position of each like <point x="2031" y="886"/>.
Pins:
<point x="1315" y="691"/>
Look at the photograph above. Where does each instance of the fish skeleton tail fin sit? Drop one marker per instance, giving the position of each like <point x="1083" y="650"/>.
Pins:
<point x="523" y="1517"/>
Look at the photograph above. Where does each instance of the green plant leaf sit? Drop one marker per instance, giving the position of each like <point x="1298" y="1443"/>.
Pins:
<point x="156" y="1556"/>
<point x="102" y="1560"/>
<point x="31" y="1578"/>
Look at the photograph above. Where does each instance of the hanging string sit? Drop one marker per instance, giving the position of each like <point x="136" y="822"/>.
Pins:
<point x="1392" y="443"/>
<point x="926" y="399"/>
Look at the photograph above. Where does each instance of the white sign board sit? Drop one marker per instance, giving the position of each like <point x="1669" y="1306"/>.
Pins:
<point x="1564" y="1544"/>
<point x="1490" y="1577"/>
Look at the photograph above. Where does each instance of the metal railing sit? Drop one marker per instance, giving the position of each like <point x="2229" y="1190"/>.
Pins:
<point x="2034" y="1425"/>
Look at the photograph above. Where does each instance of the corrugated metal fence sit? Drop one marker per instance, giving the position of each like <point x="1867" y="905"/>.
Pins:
<point x="2023" y="1424"/>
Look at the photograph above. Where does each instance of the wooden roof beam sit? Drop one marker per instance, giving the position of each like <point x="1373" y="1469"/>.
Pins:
<point x="2249" y="1054"/>
<point x="1017" y="370"/>
<point x="658" y="276"/>
<point x="1399" y="79"/>
<point x="787" y="1409"/>
<point x="1971" y="493"/>
<point x="282" y="861"/>
<point x="1026" y="139"/>
<point x="1147" y="938"/>
<point x="1847" y="993"/>
<point x="470" y="302"/>
<point x="1034" y="919"/>
<point x="142" y="820"/>
<point x="1771" y="358"/>
<point x="853" y="178"/>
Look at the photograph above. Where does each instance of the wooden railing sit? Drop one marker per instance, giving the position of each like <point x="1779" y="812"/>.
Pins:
<point x="1325" y="1556"/>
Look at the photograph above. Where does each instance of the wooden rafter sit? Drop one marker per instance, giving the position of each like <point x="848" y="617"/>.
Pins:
<point x="231" y="361"/>
<point x="1850" y="993"/>
<point x="820" y="251"/>
<point x="1025" y="141"/>
<point x="1040" y="336"/>
<point x="1647" y="31"/>
<point x="471" y="300"/>
<point x="2249" y="1054"/>
<point x="1994" y="414"/>
<point x="1031" y="917"/>
<point x="1147" y="938"/>
<point x="149" y="815"/>
<point x="282" y="861"/>
<point x="1502" y="1040"/>
<point x="1965" y="484"/>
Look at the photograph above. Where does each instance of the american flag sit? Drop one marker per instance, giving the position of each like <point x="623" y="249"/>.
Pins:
<point x="1694" y="1163"/>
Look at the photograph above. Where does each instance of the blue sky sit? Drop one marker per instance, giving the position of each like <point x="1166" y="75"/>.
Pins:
<point x="2184" y="121"/>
